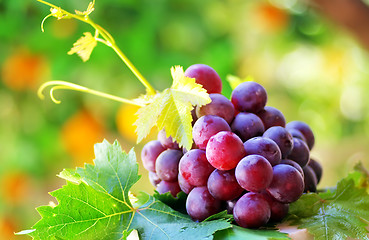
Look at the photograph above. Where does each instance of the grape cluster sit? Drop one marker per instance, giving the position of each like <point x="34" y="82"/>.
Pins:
<point x="245" y="158"/>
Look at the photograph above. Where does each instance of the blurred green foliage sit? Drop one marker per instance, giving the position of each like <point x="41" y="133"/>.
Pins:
<point x="311" y="69"/>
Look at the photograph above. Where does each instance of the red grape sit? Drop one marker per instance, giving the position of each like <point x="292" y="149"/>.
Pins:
<point x="219" y="106"/>
<point x="271" y="117"/>
<point x="171" y="187"/>
<point x="206" y="76"/>
<point x="265" y="147"/>
<point x="223" y="185"/>
<point x="149" y="154"/>
<point x="167" y="165"/>
<point x="247" y="125"/>
<point x="282" y="137"/>
<point x="249" y="97"/>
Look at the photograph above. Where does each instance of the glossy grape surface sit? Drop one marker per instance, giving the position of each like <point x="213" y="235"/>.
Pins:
<point x="249" y="97"/>
<point x="219" y="106"/>
<point x="271" y="117"/>
<point x="167" y="165"/>
<point x="206" y="76"/>
<point x="265" y="147"/>
<point x="247" y="125"/>
<point x="149" y="154"/>
<point x="223" y="185"/>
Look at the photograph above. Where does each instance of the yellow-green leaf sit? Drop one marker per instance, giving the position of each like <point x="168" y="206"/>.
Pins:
<point x="90" y="9"/>
<point x="84" y="46"/>
<point x="171" y="109"/>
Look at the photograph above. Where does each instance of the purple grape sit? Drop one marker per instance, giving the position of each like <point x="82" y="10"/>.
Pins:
<point x="287" y="185"/>
<point x="247" y="125"/>
<point x="271" y="117"/>
<point x="254" y="173"/>
<point x="200" y="204"/>
<point x="282" y="137"/>
<point x="297" y="134"/>
<point x="154" y="179"/>
<point x="278" y="210"/>
<point x="305" y="130"/>
<point x="300" y="152"/>
<point x="207" y="126"/>
<point x="249" y="97"/>
<point x="167" y="165"/>
<point x="317" y="168"/>
<point x="223" y="185"/>
<point x="293" y="164"/>
<point x="310" y="179"/>
<point x="251" y="211"/>
<point x="195" y="168"/>
<point x="167" y="142"/>
<point x="219" y="106"/>
<point x="171" y="187"/>
<point x="265" y="147"/>
<point x="206" y="76"/>
<point x="149" y="154"/>
<point x="184" y="185"/>
<point x="225" y="150"/>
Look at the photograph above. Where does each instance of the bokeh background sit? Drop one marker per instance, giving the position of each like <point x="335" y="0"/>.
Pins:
<point x="311" y="56"/>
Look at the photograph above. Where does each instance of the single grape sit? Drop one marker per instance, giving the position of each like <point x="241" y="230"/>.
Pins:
<point x="206" y="76"/>
<point x="195" y="168"/>
<point x="247" y="125"/>
<point x="287" y="185"/>
<point x="300" y="152"/>
<point x="223" y="185"/>
<point x="297" y="134"/>
<point x="271" y="117"/>
<point x="149" y="154"/>
<point x="184" y="185"/>
<point x="278" y="210"/>
<point x="305" y="130"/>
<point x="249" y="97"/>
<point x="219" y="106"/>
<point x="254" y="173"/>
<point x="265" y="147"/>
<point x="310" y="179"/>
<point x="171" y="187"/>
<point x="317" y="168"/>
<point x="167" y="165"/>
<point x="293" y="164"/>
<point x="207" y="126"/>
<point x="225" y="150"/>
<point x="282" y="137"/>
<point x="251" y="211"/>
<point x="154" y="179"/>
<point x="167" y="142"/>
<point x="200" y="204"/>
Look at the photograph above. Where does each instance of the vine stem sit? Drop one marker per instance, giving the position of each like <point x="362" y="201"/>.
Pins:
<point x="110" y="42"/>
<point x="71" y="86"/>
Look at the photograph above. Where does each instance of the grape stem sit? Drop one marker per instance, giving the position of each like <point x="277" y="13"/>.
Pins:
<point x="109" y="41"/>
<point x="57" y="85"/>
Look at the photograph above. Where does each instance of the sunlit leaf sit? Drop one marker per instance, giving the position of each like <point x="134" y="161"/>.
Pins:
<point x="84" y="46"/>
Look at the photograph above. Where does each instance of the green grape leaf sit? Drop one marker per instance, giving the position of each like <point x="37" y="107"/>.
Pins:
<point x="336" y="214"/>
<point x="234" y="81"/>
<point x="84" y="46"/>
<point x="238" y="233"/>
<point x="96" y="203"/>
<point x="171" y="109"/>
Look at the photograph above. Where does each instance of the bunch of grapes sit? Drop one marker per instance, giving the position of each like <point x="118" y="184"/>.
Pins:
<point x="245" y="158"/>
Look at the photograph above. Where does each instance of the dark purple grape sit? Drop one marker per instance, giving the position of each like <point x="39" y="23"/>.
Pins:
<point x="251" y="211"/>
<point x="287" y="185"/>
<point x="271" y="117"/>
<point x="249" y="97"/>
<point x="195" y="168"/>
<point x="154" y="179"/>
<point x="305" y="130"/>
<point x="206" y="76"/>
<point x="278" y="210"/>
<point x="219" y="106"/>
<point x="149" y="154"/>
<point x="310" y="179"/>
<point x="223" y="185"/>
<point x="225" y="150"/>
<point x="293" y="164"/>
<point x="247" y="125"/>
<point x="184" y="185"/>
<point x="171" y="187"/>
<point x="194" y="117"/>
<point x="200" y="204"/>
<point x="167" y="142"/>
<point x="282" y="137"/>
<point x="317" y="168"/>
<point x="265" y="147"/>
<point x="167" y="165"/>
<point x="254" y="173"/>
<point x="300" y="152"/>
<point x="297" y="134"/>
<point x="206" y="127"/>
